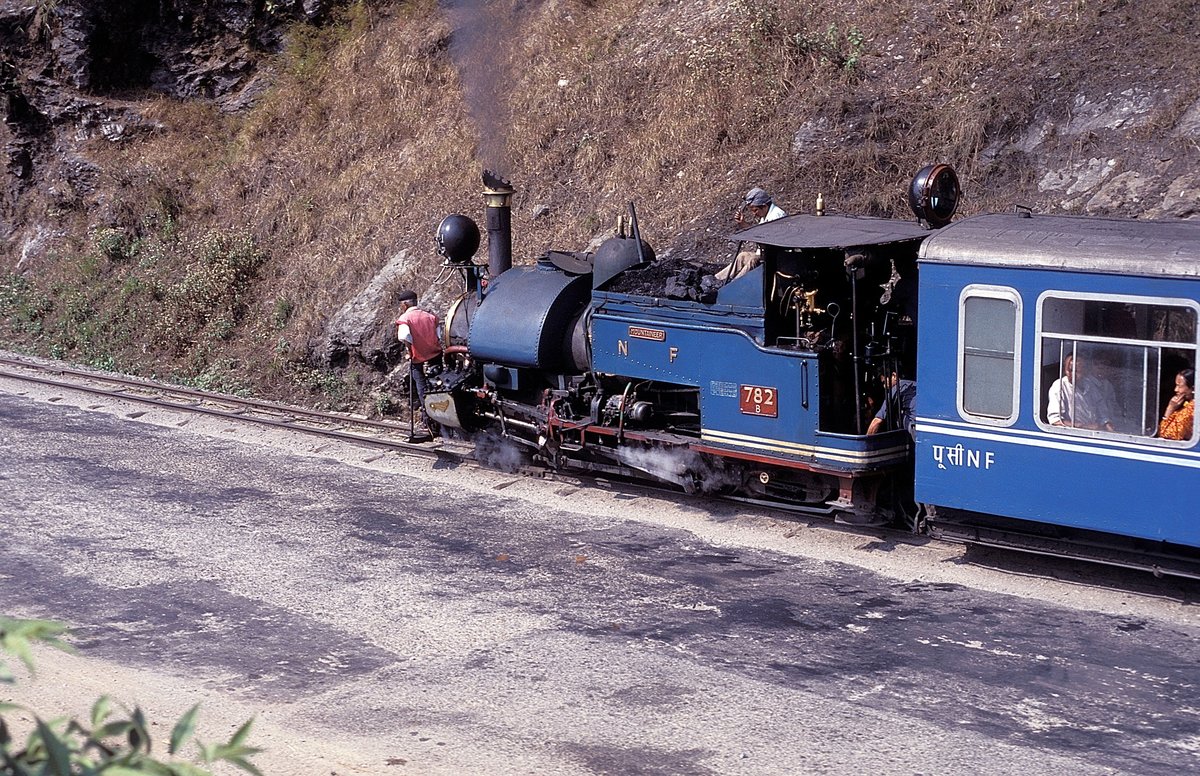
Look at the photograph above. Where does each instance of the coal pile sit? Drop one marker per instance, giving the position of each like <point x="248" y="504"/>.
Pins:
<point x="668" y="278"/>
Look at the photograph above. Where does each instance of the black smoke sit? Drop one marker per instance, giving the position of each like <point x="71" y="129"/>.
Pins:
<point x="479" y="46"/>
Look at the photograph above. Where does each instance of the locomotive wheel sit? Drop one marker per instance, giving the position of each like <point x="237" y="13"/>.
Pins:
<point x="552" y="455"/>
<point x="861" y="519"/>
<point x="718" y="478"/>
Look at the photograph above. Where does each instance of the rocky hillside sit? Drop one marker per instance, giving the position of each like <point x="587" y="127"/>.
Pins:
<point x="226" y="192"/>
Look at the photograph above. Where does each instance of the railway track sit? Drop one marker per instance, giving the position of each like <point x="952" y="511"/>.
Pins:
<point x="387" y="435"/>
<point x="394" y="437"/>
<point x="341" y="426"/>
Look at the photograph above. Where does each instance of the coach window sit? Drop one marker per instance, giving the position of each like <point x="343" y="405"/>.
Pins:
<point x="1108" y="363"/>
<point x="988" y="354"/>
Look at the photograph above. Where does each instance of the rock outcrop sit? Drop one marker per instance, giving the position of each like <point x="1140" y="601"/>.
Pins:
<point x="361" y="330"/>
<point x="74" y="70"/>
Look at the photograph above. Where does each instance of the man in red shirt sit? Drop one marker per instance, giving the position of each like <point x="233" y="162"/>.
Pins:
<point x="419" y="330"/>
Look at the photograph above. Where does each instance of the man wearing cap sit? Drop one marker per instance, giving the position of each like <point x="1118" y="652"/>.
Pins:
<point x="762" y="209"/>
<point x="761" y="206"/>
<point x="419" y="330"/>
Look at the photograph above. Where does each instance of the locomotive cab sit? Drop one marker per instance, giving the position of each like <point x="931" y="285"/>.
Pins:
<point x="844" y="289"/>
<point x="782" y="370"/>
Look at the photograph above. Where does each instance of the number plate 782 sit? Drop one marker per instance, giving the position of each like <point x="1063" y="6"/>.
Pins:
<point x="759" y="400"/>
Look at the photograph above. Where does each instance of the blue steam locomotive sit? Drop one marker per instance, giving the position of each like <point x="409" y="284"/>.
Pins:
<point x="791" y="382"/>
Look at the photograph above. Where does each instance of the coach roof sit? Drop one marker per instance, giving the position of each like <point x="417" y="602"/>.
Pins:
<point x="1074" y="243"/>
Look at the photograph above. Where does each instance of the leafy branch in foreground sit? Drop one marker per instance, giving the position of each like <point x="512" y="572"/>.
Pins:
<point x="106" y="743"/>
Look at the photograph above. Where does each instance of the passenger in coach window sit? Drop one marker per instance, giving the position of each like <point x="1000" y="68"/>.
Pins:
<point x="1106" y="373"/>
<point x="1078" y="399"/>
<point x="1177" y="418"/>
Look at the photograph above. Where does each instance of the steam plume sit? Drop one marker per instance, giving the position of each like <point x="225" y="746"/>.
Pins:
<point x="680" y="466"/>
<point x="496" y="452"/>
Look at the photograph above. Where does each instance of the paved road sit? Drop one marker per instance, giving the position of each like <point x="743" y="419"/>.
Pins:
<point x="467" y="631"/>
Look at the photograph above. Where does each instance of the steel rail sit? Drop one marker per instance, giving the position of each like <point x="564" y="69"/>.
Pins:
<point x="255" y="404"/>
<point x="294" y="417"/>
<point x="461" y="453"/>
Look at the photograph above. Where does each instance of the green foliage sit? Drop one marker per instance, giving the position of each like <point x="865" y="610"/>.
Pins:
<point x="217" y="378"/>
<point x="854" y="39"/>
<point x="222" y="264"/>
<point x="23" y="305"/>
<point x="42" y="19"/>
<point x="759" y="21"/>
<point x="842" y="50"/>
<point x="105" y="362"/>
<point x="323" y="382"/>
<point x="16" y="636"/>
<point x="128" y="299"/>
<point x="310" y="46"/>
<point x="113" y="244"/>
<point x="383" y="403"/>
<point x="281" y="313"/>
<point x="208" y="302"/>
<point x="116" y="744"/>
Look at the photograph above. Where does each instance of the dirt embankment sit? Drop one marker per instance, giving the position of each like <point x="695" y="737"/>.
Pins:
<point x="199" y="189"/>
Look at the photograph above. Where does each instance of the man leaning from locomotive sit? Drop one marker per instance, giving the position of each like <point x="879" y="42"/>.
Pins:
<point x="419" y="330"/>
<point x="899" y="399"/>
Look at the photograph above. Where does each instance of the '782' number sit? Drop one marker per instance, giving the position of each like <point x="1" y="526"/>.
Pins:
<point x="759" y="400"/>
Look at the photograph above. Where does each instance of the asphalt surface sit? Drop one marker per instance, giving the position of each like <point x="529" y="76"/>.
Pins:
<point x="474" y="632"/>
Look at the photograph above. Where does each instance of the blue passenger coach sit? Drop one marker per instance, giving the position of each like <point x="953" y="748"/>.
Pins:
<point x="1008" y="305"/>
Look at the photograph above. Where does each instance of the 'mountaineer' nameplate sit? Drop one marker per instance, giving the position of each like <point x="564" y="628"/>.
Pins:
<point x="640" y="332"/>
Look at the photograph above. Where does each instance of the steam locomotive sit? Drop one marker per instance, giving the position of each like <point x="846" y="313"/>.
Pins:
<point x="619" y="362"/>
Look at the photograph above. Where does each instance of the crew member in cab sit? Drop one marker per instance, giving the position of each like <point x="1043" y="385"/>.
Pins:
<point x="896" y="410"/>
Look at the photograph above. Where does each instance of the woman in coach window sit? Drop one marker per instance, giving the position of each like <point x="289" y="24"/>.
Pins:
<point x="1177" y="418"/>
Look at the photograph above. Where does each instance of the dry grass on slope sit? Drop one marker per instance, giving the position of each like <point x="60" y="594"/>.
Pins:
<point x="367" y="138"/>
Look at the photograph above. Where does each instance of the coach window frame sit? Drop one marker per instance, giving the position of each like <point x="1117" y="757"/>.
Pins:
<point x="1002" y="293"/>
<point x="1040" y="335"/>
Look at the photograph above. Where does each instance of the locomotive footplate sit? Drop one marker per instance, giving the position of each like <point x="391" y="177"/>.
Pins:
<point x="849" y="498"/>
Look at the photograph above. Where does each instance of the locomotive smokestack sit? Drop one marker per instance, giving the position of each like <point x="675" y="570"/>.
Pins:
<point x="497" y="197"/>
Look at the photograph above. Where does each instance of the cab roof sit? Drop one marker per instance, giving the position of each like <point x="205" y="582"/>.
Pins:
<point x="809" y="231"/>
